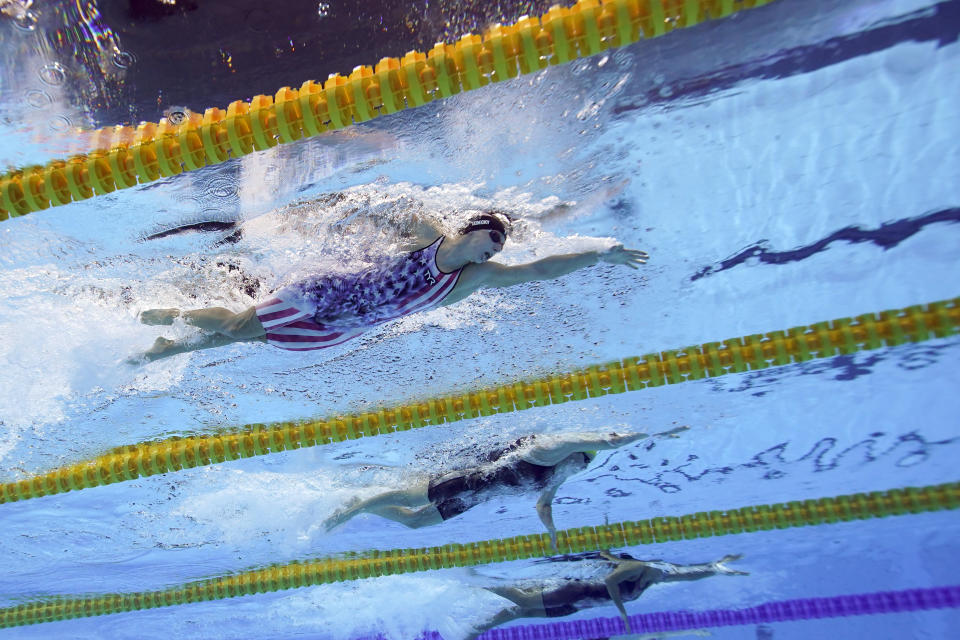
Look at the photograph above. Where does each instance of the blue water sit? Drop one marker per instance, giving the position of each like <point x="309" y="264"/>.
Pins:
<point x="789" y="165"/>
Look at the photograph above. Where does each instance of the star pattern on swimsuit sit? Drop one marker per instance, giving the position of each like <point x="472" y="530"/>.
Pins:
<point x="372" y="296"/>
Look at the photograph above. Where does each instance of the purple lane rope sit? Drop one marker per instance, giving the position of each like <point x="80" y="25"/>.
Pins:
<point x="779" y="611"/>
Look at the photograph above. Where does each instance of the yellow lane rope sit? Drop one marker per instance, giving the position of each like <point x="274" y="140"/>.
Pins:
<point x="737" y="355"/>
<point x="125" y="157"/>
<point x="857" y="506"/>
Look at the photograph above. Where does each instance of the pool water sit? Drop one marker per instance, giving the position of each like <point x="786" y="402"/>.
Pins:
<point x="788" y="165"/>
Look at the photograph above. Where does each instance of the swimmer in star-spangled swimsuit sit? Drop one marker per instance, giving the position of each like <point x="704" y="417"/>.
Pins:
<point x="327" y="310"/>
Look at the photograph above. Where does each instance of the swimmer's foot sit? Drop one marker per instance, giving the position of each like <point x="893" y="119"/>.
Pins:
<point x="159" y="316"/>
<point x="161" y="348"/>
<point x="340" y="516"/>
<point x="136" y="360"/>
<point x="721" y="567"/>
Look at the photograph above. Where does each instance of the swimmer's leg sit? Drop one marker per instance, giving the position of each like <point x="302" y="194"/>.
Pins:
<point x="236" y="325"/>
<point x="502" y="617"/>
<point x="410" y="507"/>
<point x="527" y="599"/>
<point x="528" y="604"/>
<point x="226" y="326"/>
<point x="159" y="316"/>
<point x="164" y="348"/>
<point x="424" y="516"/>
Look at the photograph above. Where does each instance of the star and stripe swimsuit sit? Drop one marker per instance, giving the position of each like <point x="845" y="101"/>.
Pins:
<point x="327" y="310"/>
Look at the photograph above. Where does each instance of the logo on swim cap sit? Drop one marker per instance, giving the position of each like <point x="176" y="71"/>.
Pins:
<point x="485" y="221"/>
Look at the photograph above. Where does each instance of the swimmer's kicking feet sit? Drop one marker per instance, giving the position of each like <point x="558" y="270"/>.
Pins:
<point x="327" y="310"/>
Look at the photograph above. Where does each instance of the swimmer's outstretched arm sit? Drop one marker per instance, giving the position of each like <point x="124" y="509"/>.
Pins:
<point x="554" y="452"/>
<point x="655" y="571"/>
<point x="491" y="274"/>
<point x="499" y="275"/>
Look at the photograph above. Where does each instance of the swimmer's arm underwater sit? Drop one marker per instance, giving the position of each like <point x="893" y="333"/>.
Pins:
<point x="563" y="471"/>
<point x="657" y="571"/>
<point x="553" y="453"/>
<point x="418" y="230"/>
<point x="496" y="275"/>
<point x="589" y="204"/>
<point x="613" y="588"/>
<point x="557" y="454"/>
<point x="545" y="511"/>
<point x="626" y="570"/>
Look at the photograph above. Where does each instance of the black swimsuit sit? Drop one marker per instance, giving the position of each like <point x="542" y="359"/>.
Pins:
<point x="459" y="491"/>
<point x="579" y="594"/>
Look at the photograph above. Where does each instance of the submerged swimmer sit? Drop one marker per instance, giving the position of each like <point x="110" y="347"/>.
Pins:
<point x="627" y="581"/>
<point x="530" y="463"/>
<point x="327" y="310"/>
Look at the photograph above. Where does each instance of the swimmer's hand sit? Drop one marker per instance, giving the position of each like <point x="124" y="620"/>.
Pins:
<point x="136" y="360"/>
<point x="618" y="254"/>
<point x="617" y="440"/>
<point x="721" y="567"/>
<point x="672" y="433"/>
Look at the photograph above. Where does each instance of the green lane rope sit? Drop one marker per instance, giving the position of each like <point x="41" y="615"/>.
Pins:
<point x="125" y="157"/>
<point x="857" y="506"/>
<point x="737" y="355"/>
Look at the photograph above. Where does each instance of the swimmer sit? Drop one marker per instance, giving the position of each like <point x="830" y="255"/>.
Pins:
<point x="327" y="310"/>
<point x="531" y="463"/>
<point x="626" y="581"/>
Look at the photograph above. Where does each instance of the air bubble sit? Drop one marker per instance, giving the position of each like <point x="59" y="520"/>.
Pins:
<point x="175" y="115"/>
<point x="26" y="21"/>
<point x="580" y="67"/>
<point x="38" y="99"/>
<point x="60" y="124"/>
<point x="52" y="74"/>
<point x="123" y="59"/>
<point x="222" y="188"/>
<point x="623" y="59"/>
<point x="89" y="11"/>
